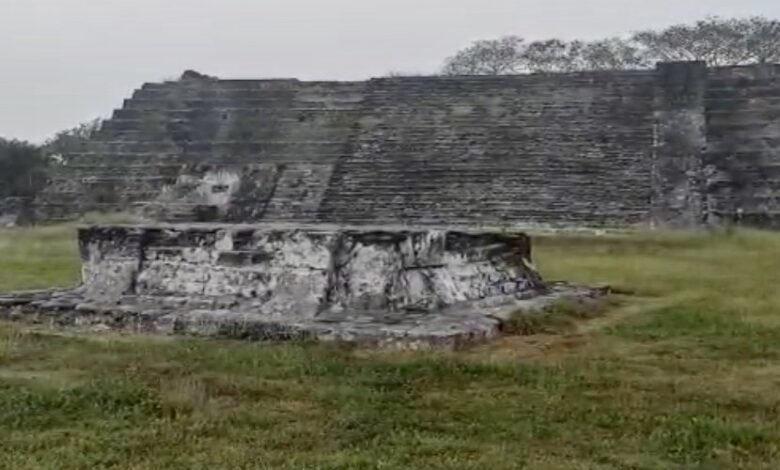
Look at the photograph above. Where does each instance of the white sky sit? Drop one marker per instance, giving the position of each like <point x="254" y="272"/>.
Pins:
<point x="67" y="61"/>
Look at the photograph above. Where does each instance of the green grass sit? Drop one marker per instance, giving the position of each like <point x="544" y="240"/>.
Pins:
<point x="38" y="258"/>
<point x="564" y="316"/>
<point x="683" y="373"/>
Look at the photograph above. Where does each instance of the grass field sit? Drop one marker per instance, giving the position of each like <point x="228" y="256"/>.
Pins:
<point x="683" y="372"/>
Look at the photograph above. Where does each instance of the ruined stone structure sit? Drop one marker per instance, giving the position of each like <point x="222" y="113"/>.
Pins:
<point x="389" y="287"/>
<point x="386" y="212"/>
<point x="678" y="145"/>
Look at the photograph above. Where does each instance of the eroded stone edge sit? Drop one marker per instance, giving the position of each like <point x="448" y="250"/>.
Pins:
<point x="449" y="329"/>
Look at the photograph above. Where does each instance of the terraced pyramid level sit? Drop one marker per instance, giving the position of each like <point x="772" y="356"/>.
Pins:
<point x="679" y="145"/>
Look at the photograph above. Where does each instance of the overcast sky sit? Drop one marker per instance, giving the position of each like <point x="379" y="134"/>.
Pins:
<point x="67" y="61"/>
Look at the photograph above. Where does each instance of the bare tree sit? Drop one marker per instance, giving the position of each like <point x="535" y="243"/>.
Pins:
<point x="489" y="57"/>
<point x="611" y="54"/>
<point x="714" y="40"/>
<point x="402" y="74"/>
<point x="513" y="55"/>
<point x="553" y="55"/>
<point x="762" y="39"/>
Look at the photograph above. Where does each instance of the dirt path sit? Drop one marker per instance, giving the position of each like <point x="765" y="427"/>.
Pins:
<point x="584" y="333"/>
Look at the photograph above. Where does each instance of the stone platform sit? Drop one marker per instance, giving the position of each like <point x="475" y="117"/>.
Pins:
<point x="387" y="287"/>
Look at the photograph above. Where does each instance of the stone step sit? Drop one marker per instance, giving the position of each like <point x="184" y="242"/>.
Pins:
<point x="198" y="128"/>
<point x="564" y="219"/>
<point x="459" y="135"/>
<point x="737" y="88"/>
<point x="185" y="134"/>
<point x="122" y="167"/>
<point x="744" y="122"/>
<point x="270" y="84"/>
<point x="509" y="109"/>
<point x="254" y="146"/>
<point x="120" y="178"/>
<point x="749" y="92"/>
<point x="744" y="141"/>
<point x="741" y="105"/>
<point x="563" y="201"/>
<point x="522" y="83"/>
<point x="424" y="212"/>
<point x="516" y="98"/>
<point x="734" y="158"/>
<point x="520" y="166"/>
<point x="233" y="112"/>
<point x="134" y="119"/>
<point x="249" y="149"/>
<point x="525" y="126"/>
<point x="313" y="94"/>
<point x="192" y="161"/>
<point x="420" y="178"/>
<point x="267" y="105"/>
<point x="281" y="84"/>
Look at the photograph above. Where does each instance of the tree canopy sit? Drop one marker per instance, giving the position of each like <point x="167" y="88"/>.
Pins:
<point x="71" y="140"/>
<point x="22" y="169"/>
<point x="490" y="57"/>
<point x="718" y="41"/>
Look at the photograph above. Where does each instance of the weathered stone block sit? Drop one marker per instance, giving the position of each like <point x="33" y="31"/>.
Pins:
<point x="382" y="286"/>
<point x="307" y="270"/>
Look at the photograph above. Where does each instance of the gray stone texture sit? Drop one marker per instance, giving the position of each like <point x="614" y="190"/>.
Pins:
<point x="680" y="140"/>
<point x="408" y="288"/>
<point x="679" y="145"/>
<point x="742" y="157"/>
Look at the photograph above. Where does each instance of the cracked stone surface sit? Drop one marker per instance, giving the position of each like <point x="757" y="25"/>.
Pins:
<point x="386" y="287"/>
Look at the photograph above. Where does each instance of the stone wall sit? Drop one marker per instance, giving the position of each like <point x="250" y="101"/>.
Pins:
<point x="678" y="145"/>
<point x="742" y="159"/>
<point x="302" y="271"/>
<point x="680" y="139"/>
<point x="560" y="149"/>
<point x="201" y="148"/>
<point x="387" y="286"/>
